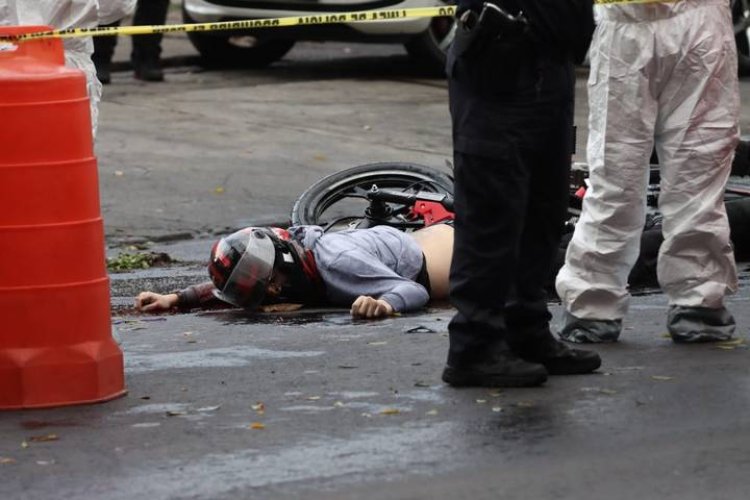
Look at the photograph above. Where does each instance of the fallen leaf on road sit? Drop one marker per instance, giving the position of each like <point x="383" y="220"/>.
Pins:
<point x="432" y="412"/>
<point x="7" y="460"/>
<point x="481" y="401"/>
<point x="730" y="345"/>
<point x="257" y="425"/>
<point x="735" y="342"/>
<point x="390" y="411"/>
<point x="497" y="409"/>
<point x="661" y="377"/>
<point x="219" y="189"/>
<point x="24" y="444"/>
<point x="259" y="407"/>
<point x="600" y="390"/>
<point x="338" y="404"/>
<point x="44" y="438"/>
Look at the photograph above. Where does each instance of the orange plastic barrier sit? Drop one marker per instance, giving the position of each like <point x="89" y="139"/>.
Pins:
<point x="56" y="345"/>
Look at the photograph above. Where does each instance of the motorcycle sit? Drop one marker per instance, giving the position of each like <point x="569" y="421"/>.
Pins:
<point x="410" y="196"/>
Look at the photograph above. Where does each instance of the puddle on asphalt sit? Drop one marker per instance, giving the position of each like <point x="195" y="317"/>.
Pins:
<point x="327" y="317"/>
<point x="234" y="357"/>
<point x="529" y="425"/>
<point x="340" y="316"/>
<point x="335" y="317"/>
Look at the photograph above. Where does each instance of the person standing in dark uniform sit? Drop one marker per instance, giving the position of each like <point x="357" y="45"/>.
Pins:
<point x="511" y="84"/>
<point x="146" y="54"/>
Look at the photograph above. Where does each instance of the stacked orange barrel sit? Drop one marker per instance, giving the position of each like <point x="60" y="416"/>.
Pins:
<point x="56" y="345"/>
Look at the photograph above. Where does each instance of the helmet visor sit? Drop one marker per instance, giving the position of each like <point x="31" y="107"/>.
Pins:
<point x="247" y="283"/>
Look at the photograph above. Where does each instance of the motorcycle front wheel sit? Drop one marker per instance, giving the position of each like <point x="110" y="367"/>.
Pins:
<point x="339" y="201"/>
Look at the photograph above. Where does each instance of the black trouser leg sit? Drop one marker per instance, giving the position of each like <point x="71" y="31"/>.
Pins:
<point x="104" y="46"/>
<point x="489" y="199"/>
<point x="526" y="310"/>
<point x="148" y="12"/>
<point x="512" y="142"/>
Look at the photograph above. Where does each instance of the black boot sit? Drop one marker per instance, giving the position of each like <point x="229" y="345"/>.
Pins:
<point x="104" y="49"/>
<point x="148" y="70"/>
<point x="559" y="359"/>
<point x="146" y="54"/>
<point x="498" y="368"/>
<point x="103" y="71"/>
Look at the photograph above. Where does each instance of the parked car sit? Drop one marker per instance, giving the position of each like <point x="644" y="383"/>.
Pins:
<point x="741" y="18"/>
<point x="425" y="39"/>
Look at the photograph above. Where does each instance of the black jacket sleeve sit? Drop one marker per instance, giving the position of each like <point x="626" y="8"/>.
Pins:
<point x="199" y="296"/>
<point x="561" y="25"/>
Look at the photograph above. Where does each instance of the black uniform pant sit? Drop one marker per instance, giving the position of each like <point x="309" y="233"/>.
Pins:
<point x="145" y="47"/>
<point x="512" y="116"/>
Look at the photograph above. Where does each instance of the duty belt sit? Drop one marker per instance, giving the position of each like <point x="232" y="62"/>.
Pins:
<point x="494" y="22"/>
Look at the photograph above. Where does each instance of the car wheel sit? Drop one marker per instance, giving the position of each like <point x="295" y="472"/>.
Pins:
<point x="741" y="19"/>
<point x="233" y="50"/>
<point x="429" y="49"/>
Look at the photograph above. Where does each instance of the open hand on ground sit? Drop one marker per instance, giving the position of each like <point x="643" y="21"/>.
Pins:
<point x="155" y="302"/>
<point x="369" y="307"/>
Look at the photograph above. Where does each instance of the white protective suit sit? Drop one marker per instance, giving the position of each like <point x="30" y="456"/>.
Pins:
<point x="663" y="75"/>
<point x="62" y="14"/>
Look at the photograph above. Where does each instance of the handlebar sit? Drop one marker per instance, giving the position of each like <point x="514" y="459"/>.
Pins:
<point x="386" y="196"/>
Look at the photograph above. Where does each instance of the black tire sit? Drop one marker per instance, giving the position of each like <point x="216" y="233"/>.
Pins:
<point x="741" y="19"/>
<point x="338" y="199"/>
<point x="429" y="49"/>
<point x="228" y="51"/>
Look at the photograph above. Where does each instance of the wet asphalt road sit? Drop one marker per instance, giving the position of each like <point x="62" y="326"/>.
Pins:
<point x="315" y="405"/>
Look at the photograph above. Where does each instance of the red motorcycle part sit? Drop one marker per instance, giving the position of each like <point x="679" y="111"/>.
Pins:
<point x="431" y="212"/>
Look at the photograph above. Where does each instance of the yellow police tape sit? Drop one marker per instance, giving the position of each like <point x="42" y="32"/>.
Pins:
<point x="328" y="18"/>
<point x="620" y="2"/>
